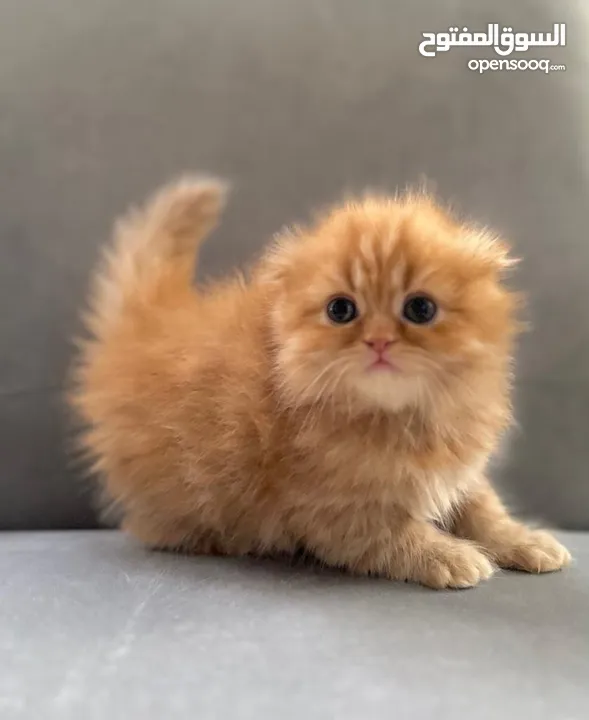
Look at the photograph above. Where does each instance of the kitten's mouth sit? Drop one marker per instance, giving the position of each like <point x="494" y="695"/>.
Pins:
<point x="381" y="364"/>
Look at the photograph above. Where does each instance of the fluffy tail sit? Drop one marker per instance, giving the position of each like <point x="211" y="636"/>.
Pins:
<point x="154" y="248"/>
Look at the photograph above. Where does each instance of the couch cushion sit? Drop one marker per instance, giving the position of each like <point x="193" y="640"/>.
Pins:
<point x="94" y="626"/>
<point x="296" y="102"/>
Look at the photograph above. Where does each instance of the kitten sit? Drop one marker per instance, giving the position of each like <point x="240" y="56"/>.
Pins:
<point x="345" y="398"/>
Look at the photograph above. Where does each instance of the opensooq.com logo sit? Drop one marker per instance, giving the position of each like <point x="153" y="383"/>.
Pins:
<point x="503" y="43"/>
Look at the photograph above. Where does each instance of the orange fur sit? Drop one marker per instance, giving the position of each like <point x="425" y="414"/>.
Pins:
<point x="235" y="418"/>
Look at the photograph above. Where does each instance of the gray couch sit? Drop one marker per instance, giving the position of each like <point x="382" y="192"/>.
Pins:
<point x="295" y="101"/>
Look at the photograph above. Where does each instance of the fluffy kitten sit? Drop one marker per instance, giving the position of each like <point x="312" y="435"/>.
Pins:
<point x="345" y="398"/>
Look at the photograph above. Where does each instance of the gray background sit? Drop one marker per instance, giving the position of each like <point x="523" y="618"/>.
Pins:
<point x="294" y="101"/>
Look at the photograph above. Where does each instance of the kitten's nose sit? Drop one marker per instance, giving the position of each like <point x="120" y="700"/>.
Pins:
<point x="379" y="345"/>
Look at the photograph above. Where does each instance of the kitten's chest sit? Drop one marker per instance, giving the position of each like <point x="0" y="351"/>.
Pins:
<point x="382" y="467"/>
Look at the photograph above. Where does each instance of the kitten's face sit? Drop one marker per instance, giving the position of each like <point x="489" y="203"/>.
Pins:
<point x="383" y="300"/>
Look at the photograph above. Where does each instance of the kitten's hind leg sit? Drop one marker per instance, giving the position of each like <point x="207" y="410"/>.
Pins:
<point x="181" y="536"/>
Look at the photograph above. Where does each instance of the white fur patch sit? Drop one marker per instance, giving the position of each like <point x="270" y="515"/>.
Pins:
<point x="389" y="390"/>
<point x="439" y="496"/>
<point x="441" y="492"/>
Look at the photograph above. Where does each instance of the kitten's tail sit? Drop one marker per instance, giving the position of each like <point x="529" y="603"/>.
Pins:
<point x="154" y="248"/>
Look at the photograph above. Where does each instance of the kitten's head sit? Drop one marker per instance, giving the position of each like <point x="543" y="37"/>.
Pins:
<point x="383" y="300"/>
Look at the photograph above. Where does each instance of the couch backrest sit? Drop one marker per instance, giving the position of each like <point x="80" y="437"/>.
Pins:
<point x="295" y="101"/>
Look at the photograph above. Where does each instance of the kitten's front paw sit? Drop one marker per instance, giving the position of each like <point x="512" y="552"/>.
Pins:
<point x="455" y="565"/>
<point x="537" y="552"/>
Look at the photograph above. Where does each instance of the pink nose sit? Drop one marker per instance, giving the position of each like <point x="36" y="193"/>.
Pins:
<point x="379" y="345"/>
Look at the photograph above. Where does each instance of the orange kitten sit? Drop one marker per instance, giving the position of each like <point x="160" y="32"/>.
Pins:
<point x="345" y="398"/>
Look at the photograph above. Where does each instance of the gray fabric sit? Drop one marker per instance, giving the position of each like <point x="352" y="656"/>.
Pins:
<point x="95" y="627"/>
<point x="295" y="101"/>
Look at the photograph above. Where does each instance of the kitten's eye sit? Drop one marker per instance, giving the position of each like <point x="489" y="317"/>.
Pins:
<point x="342" y="310"/>
<point x="419" y="309"/>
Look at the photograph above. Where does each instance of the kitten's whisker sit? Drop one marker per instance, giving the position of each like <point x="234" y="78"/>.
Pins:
<point x="335" y="383"/>
<point x="325" y="393"/>
<point x="313" y="383"/>
<point x="322" y="374"/>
